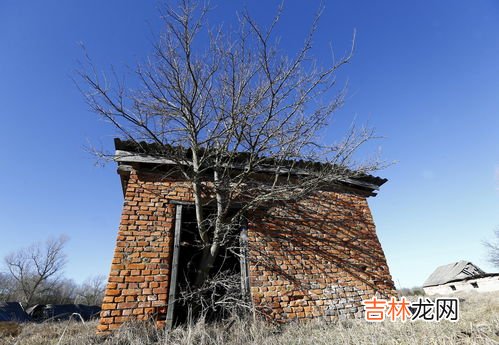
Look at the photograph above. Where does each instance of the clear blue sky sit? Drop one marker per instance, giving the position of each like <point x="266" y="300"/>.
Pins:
<point x="425" y="75"/>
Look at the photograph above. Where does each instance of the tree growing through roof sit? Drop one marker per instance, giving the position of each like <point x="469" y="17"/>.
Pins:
<point x="226" y="104"/>
<point x="35" y="270"/>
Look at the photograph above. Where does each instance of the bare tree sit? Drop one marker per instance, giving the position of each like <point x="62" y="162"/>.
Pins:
<point x="493" y="249"/>
<point x="239" y="118"/>
<point x="35" y="269"/>
<point x="7" y="287"/>
<point x="56" y="291"/>
<point x="91" y="291"/>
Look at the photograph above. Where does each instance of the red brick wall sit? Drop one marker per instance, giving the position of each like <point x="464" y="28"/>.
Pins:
<point x="312" y="259"/>
<point x="138" y="282"/>
<point x="317" y="258"/>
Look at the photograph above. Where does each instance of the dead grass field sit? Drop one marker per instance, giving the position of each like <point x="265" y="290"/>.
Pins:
<point x="479" y="324"/>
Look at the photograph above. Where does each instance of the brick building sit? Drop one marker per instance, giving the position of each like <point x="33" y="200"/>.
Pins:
<point x="315" y="258"/>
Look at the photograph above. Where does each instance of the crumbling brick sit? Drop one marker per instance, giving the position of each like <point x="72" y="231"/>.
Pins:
<point x="315" y="258"/>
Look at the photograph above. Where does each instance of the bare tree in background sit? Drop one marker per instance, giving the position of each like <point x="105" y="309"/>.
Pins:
<point x="226" y="105"/>
<point x="493" y="248"/>
<point x="7" y="287"/>
<point x="91" y="291"/>
<point x="35" y="269"/>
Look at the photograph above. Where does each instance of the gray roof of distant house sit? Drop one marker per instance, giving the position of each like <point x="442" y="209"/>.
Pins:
<point x="455" y="271"/>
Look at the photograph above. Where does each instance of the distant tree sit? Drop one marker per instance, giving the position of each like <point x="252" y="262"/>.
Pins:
<point x="36" y="270"/>
<point x="62" y="291"/>
<point x="91" y="291"/>
<point x="7" y="287"/>
<point x="414" y="291"/>
<point x="493" y="248"/>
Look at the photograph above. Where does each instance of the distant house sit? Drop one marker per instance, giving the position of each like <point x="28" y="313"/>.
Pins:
<point x="458" y="277"/>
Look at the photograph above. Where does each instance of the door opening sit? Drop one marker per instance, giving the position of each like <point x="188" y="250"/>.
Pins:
<point x="214" y="300"/>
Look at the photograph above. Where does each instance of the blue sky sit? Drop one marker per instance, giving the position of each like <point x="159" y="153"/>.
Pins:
<point x="425" y="74"/>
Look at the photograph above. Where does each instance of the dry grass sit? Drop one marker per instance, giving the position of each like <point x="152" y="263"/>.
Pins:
<point x="479" y="324"/>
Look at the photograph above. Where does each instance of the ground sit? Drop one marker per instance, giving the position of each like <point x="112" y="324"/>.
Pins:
<point x="478" y="324"/>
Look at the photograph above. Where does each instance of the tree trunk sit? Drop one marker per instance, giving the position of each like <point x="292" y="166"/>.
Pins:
<point x="210" y="252"/>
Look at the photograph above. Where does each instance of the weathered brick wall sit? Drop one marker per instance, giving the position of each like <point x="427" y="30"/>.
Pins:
<point x="311" y="259"/>
<point x="317" y="258"/>
<point x="138" y="282"/>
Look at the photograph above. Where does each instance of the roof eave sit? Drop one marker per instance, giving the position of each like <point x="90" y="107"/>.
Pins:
<point x="122" y="157"/>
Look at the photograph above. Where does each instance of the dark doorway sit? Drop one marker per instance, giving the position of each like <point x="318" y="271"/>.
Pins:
<point x="192" y="302"/>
